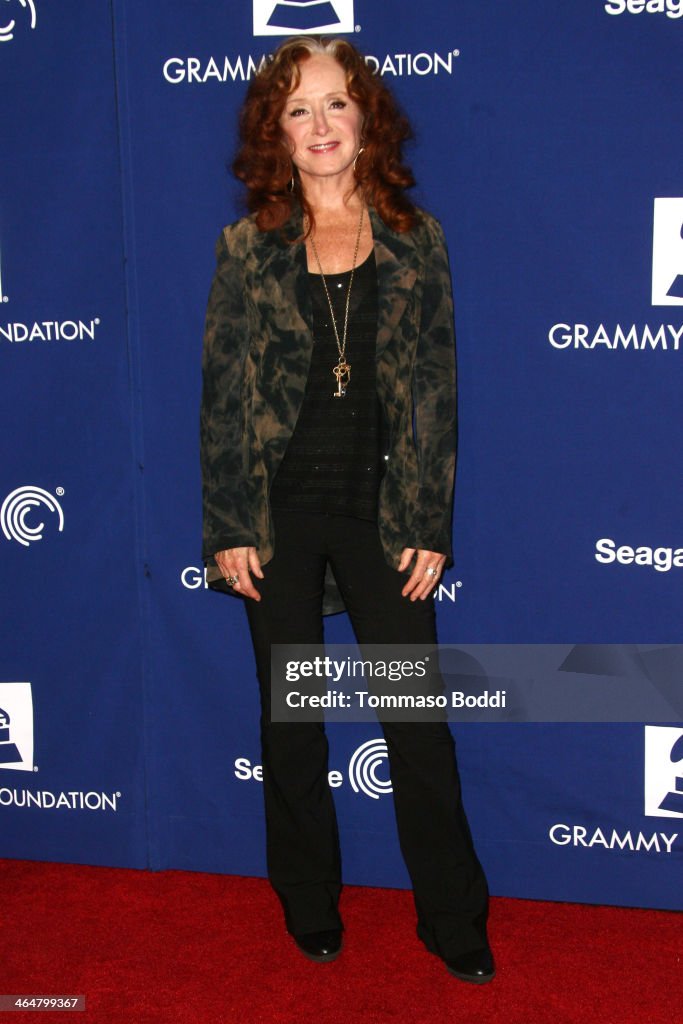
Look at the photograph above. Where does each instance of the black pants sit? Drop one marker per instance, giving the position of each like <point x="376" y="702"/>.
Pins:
<point x="304" y="864"/>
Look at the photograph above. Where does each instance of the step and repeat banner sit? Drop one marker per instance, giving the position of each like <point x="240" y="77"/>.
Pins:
<point x="547" y="142"/>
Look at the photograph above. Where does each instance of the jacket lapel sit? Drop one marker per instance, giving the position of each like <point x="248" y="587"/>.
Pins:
<point x="282" y="266"/>
<point x="397" y="263"/>
<point x="285" y="341"/>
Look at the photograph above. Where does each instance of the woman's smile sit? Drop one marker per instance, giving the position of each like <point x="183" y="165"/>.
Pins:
<point x="323" y="147"/>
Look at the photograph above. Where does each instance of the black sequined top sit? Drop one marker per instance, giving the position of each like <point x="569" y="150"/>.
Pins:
<point x="335" y="458"/>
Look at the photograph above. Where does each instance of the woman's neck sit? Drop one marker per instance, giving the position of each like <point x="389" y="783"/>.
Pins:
<point x="330" y="198"/>
<point x="341" y="237"/>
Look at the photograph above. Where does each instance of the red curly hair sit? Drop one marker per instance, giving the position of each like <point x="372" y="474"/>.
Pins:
<point x="264" y="164"/>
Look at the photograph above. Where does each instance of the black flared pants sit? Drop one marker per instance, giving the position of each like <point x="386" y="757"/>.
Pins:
<point x="304" y="864"/>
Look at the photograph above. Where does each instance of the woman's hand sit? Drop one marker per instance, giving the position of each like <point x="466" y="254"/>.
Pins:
<point x="426" y="572"/>
<point x="237" y="564"/>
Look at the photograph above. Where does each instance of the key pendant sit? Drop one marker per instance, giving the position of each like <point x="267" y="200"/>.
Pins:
<point x="342" y="373"/>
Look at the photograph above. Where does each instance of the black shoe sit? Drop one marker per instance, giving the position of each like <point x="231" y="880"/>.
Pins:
<point x="477" y="966"/>
<point x="320" y="946"/>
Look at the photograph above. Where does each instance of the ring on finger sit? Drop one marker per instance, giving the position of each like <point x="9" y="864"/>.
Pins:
<point x="431" y="571"/>
<point x="232" y="580"/>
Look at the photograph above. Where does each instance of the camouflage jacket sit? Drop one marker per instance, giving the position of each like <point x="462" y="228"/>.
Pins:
<point x="257" y="349"/>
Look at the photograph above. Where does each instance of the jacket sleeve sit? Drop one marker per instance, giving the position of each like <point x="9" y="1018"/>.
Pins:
<point x="226" y="519"/>
<point x="434" y="402"/>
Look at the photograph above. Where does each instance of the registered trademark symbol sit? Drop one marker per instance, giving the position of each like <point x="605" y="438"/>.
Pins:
<point x="357" y="28"/>
<point x="35" y="767"/>
<point x="5" y="298"/>
<point x="59" y="492"/>
<point x="118" y="794"/>
<point x="97" y="320"/>
<point x="458" y="583"/>
<point x="456" y="53"/>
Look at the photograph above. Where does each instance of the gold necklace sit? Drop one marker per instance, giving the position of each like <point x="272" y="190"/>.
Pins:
<point x="342" y="370"/>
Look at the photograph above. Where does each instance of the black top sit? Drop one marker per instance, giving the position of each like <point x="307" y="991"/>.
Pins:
<point x="335" y="458"/>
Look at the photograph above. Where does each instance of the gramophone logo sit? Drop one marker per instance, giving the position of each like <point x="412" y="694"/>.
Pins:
<point x="9" y="13"/>
<point x="663" y="771"/>
<point x="16" y="727"/>
<point x="302" y="17"/>
<point x="667" y="253"/>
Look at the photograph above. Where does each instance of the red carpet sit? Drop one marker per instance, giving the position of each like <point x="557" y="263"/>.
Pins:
<point x="187" y="947"/>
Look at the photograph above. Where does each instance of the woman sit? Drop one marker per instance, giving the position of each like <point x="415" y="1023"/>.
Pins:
<point x="328" y="434"/>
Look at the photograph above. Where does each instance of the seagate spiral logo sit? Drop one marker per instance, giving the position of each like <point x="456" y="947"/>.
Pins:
<point x="363" y="769"/>
<point x="7" y="30"/>
<point x="20" y="504"/>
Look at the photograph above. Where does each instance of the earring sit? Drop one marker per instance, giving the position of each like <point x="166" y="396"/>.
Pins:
<point x="361" y="150"/>
<point x="290" y="187"/>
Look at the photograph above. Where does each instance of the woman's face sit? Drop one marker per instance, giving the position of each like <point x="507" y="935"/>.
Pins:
<point x="321" y="123"/>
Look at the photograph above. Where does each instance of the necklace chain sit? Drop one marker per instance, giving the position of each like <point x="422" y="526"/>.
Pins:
<point x="342" y="369"/>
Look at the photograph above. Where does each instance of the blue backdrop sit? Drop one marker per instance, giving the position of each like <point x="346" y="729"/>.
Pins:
<point x="547" y="141"/>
